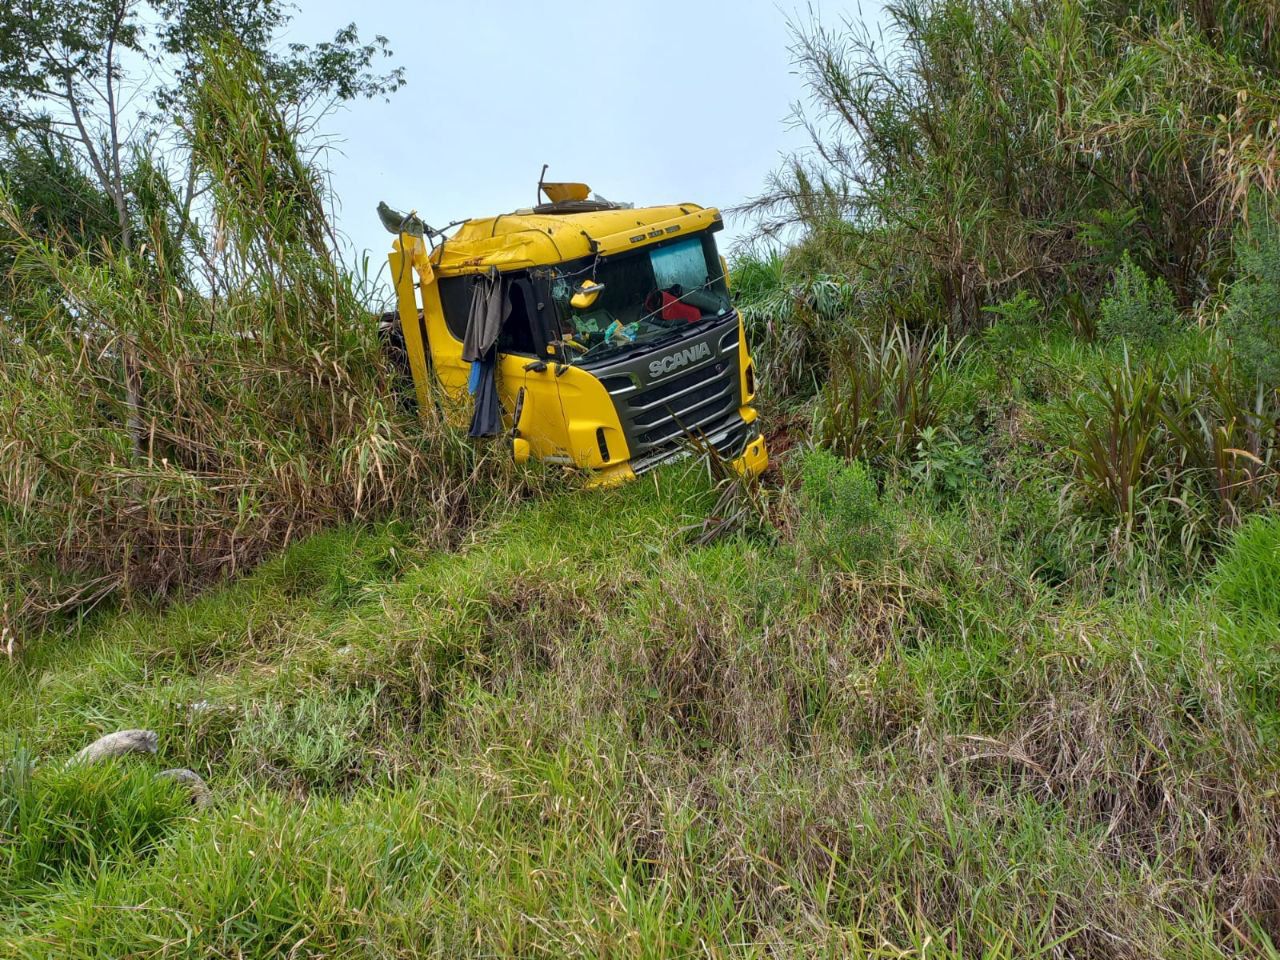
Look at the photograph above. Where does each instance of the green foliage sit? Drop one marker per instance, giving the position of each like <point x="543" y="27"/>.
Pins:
<point x="1252" y="319"/>
<point x="1225" y="436"/>
<point x="884" y="393"/>
<point x="1136" y="308"/>
<point x="157" y="435"/>
<point x="945" y="465"/>
<point x="315" y="739"/>
<point x="591" y="739"/>
<point x="1019" y="312"/>
<point x="1246" y="574"/>
<point x="1116" y="235"/>
<point x="964" y="152"/>
<point x="59" y="200"/>
<point x="68" y="824"/>
<point x="796" y="326"/>
<point x="1184" y="452"/>
<point x="842" y="521"/>
<point x="1118" y="419"/>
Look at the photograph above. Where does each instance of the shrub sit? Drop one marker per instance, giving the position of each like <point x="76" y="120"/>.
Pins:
<point x="315" y="742"/>
<point x="1137" y="308"/>
<point x="1017" y="314"/>
<point x="1224" y="437"/>
<point x="1252" y="320"/>
<point x="1117" y="419"/>
<point x="945" y="465"/>
<point x="793" y="323"/>
<point x="843" y="523"/>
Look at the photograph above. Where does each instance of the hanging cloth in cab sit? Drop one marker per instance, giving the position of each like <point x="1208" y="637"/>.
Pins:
<point x="489" y="310"/>
<point x="486" y="410"/>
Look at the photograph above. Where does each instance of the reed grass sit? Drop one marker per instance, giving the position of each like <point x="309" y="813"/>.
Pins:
<point x="162" y="427"/>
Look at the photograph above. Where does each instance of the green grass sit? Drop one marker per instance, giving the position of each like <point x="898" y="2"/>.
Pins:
<point x="578" y="735"/>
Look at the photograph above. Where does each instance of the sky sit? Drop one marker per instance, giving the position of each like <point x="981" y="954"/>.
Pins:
<point x="656" y="102"/>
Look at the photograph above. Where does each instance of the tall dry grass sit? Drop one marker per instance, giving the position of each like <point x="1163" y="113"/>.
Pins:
<point x="164" y="424"/>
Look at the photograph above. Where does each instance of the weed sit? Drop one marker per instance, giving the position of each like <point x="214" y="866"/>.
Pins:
<point x="943" y="464"/>
<point x="842" y="522"/>
<point x="1137" y="309"/>
<point x="883" y="394"/>
<point x="1253" y="301"/>
<point x="269" y="408"/>
<point x="314" y="740"/>
<point x="1118" y="418"/>
<point x="1246" y="575"/>
<point x="68" y="824"/>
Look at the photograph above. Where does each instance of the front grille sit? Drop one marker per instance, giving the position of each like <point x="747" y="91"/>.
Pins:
<point x="729" y="437"/>
<point x="673" y="423"/>
<point x="702" y="401"/>
<point x="667" y="389"/>
<point x="695" y="402"/>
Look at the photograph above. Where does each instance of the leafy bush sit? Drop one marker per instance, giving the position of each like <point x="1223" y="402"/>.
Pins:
<point x="1252" y="320"/>
<point x="843" y="523"/>
<point x="794" y="323"/>
<point x="1224" y="437"/>
<point x="1118" y="418"/>
<point x="314" y="742"/>
<point x="1186" y="453"/>
<point x="945" y="466"/>
<point x="1137" y="308"/>
<point x="1018" y="313"/>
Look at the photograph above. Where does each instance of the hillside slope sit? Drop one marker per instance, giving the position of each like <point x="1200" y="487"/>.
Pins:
<point x="582" y="734"/>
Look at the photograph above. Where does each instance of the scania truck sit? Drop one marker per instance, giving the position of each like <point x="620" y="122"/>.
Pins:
<point x="618" y="340"/>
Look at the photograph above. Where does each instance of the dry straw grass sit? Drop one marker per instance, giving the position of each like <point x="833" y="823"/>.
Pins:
<point x="264" y="405"/>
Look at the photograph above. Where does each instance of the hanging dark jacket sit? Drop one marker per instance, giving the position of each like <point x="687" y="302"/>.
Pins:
<point x="486" y="410"/>
<point x="490" y="308"/>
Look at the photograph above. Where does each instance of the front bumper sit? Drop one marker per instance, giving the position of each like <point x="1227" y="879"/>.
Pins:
<point x="754" y="460"/>
<point x="751" y="462"/>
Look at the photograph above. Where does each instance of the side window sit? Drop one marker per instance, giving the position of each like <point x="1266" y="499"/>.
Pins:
<point x="455" y="301"/>
<point x="516" y="335"/>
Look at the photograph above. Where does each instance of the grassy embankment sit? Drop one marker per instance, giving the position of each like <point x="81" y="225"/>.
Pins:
<point x="878" y="724"/>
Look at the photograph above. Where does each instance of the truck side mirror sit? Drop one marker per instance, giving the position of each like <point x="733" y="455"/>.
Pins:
<point x="586" y="294"/>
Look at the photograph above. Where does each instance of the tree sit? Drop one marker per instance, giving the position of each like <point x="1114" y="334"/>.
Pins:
<point x="83" y="74"/>
<point x="75" y="70"/>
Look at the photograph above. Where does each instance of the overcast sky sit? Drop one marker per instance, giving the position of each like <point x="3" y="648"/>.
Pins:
<point x="654" y="102"/>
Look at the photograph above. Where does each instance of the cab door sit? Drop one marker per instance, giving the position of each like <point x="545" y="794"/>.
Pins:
<point x="527" y="372"/>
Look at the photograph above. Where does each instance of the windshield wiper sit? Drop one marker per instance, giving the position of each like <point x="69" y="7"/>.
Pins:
<point x="621" y="349"/>
<point x="612" y="349"/>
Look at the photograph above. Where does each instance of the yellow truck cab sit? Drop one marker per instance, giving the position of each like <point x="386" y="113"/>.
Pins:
<point x="618" y="338"/>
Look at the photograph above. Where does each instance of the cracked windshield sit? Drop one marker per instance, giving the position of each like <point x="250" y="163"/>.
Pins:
<point x="635" y="301"/>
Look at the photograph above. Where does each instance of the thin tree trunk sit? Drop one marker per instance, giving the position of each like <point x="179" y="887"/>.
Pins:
<point x="131" y="368"/>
